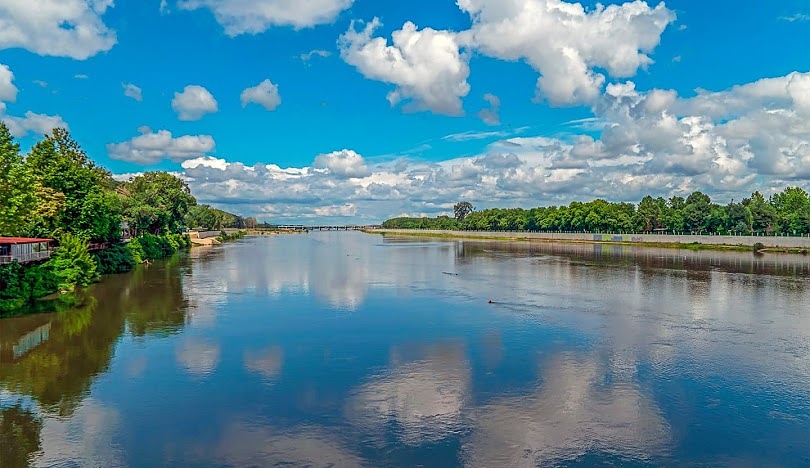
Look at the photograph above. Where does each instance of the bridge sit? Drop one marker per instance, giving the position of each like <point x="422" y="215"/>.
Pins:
<point x="303" y="228"/>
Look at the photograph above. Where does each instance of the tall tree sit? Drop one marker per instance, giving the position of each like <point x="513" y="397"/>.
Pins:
<point x="157" y="202"/>
<point x="696" y="212"/>
<point x="793" y="208"/>
<point x="462" y="209"/>
<point x="763" y="214"/>
<point x="66" y="175"/>
<point x="17" y="190"/>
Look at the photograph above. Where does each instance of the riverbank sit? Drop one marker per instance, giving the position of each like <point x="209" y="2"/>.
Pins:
<point x="23" y="287"/>
<point x="690" y="242"/>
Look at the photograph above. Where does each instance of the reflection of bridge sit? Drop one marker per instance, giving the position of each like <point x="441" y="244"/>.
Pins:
<point x="348" y="227"/>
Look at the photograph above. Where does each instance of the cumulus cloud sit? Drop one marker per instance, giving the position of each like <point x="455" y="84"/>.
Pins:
<point x="726" y="143"/>
<point x="345" y="164"/>
<point x="8" y="91"/>
<point x="194" y="103"/>
<point x="426" y="66"/>
<point x="30" y="122"/>
<point x="491" y="115"/>
<point x="264" y="94"/>
<point x="63" y="28"/>
<point x="253" y="17"/>
<point x="151" y="148"/>
<point x="565" y="42"/>
<point x="132" y="91"/>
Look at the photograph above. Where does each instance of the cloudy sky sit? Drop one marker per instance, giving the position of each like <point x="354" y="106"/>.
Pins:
<point x="359" y="110"/>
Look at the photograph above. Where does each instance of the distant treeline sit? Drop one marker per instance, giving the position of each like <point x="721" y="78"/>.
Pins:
<point x="786" y="213"/>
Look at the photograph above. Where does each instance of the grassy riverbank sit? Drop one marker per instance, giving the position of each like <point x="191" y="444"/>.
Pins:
<point x="693" y="246"/>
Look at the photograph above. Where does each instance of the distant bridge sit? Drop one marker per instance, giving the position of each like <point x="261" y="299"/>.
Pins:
<point x="348" y="227"/>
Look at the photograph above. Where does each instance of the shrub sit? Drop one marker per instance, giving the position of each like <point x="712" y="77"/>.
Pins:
<point x="758" y="246"/>
<point x="72" y="264"/>
<point x="136" y="250"/>
<point x="115" y="259"/>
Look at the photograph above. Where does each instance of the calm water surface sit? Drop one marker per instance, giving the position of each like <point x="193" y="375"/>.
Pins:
<point x="347" y="349"/>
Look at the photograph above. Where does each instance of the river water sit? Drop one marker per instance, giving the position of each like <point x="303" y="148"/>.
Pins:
<point x="347" y="349"/>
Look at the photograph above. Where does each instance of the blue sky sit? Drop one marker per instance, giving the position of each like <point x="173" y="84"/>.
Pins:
<point x="678" y="85"/>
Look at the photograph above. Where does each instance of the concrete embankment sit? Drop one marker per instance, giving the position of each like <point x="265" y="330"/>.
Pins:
<point x="733" y="241"/>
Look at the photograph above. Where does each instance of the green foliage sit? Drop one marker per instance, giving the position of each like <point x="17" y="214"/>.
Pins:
<point x="114" y="259"/>
<point x="207" y="218"/>
<point x="461" y="210"/>
<point x="758" y="246"/>
<point x="74" y="190"/>
<point x="442" y="223"/>
<point x="21" y="285"/>
<point x="136" y="251"/>
<point x="787" y="212"/>
<point x="156" y="203"/>
<point x="224" y="236"/>
<point x="72" y="264"/>
<point x="17" y="190"/>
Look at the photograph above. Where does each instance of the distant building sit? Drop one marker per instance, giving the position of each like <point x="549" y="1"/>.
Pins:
<point x="24" y="249"/>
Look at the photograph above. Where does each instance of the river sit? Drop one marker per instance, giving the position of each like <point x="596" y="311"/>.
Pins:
<point x="348" y="349"/>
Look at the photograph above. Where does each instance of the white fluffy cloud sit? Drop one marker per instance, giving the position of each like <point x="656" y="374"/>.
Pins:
<point x="150" y="147"/>
<point x="344" y="164"/>
<point x="8" y="92"/>
<point x="426" y="66"/>
<point x="727" y="144"/>
<point x="31" y="122"/>
<point x="264" y="94"/>
<point x="194" y="103"/>
<point x="256" y="16"/>
<point x="132" y="91"/>
<point x="491" y="115"/>
<point x="64" y="28"/>
<point x="565" y="42"/>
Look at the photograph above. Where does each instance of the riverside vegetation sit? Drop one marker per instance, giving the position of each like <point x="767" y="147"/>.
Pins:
<point x="57" y="192"/>
<point x="784" y="213"/>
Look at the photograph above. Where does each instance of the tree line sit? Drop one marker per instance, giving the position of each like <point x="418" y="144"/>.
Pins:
<point x="784" y="213"/>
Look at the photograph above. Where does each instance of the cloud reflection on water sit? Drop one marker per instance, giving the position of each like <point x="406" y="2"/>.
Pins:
<point x="249" y="444"/>
<point x="267" y="362"/>
<point x="197" y="356"/>
<point x="425" y="397"/>
<point x="575" y="410"/>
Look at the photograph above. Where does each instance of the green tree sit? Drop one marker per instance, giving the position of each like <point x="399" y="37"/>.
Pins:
<point x="462" y="209"/>
<point x="696" y="212"/>
<point x="75" y="187"/>
<point x="72" y="264"/>
<point x="157" y="203"/>
<point x="763" y="214"/>
<point x="738" y="218"/>
<point x="793" y="209"/>
<point x="17" y="190"/>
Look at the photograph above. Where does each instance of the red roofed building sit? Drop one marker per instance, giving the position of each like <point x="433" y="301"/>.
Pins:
<point x="24" y="249"/>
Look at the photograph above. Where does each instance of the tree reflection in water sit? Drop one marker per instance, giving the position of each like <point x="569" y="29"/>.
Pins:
<point x="54" y="358"/>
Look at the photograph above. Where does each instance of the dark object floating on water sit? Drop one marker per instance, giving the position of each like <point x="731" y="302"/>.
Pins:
<point x="448" y="273"/>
